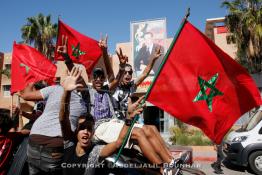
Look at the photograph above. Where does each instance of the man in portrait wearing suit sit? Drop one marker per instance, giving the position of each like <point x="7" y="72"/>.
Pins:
<point x="145" y="53"/>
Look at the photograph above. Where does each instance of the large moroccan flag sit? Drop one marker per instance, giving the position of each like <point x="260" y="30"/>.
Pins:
<point x="81" y="49"/>
<point x="29" y="66"/>
<point x="201" y="85"/>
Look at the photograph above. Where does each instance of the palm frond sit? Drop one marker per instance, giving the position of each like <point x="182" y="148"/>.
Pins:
<point x="245" y="23"/>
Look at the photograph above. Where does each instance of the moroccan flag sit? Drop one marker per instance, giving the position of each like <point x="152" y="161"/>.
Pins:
<point x="201" y="85"/>
<point x="29" y="66"/>
<point x="81" y="49"/>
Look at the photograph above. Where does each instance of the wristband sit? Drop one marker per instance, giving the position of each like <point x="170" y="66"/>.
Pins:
<point x="128" y="122"/>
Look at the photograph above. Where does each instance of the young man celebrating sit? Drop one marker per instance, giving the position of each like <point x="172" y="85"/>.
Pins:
<point x="79" y="147"/>
<point x="125" y="89"/>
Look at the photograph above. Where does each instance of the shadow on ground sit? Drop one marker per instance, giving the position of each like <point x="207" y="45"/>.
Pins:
<point x="231" y="166"/>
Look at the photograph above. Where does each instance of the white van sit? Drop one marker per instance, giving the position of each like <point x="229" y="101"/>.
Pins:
<point x="244" y="146"/>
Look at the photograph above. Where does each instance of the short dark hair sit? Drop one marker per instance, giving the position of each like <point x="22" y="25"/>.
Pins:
<point x="88" y="123"/>
<point x="5" y="120"/>
<point x="39" y="85"/>
<point x="98" y="71"/>
<point x="128" y="65"/>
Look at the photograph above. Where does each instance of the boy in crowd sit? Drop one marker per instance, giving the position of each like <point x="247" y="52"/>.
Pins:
<point x="79" y="148"/>
<point x="107" y="127"/>
<point x="8" y="140"/>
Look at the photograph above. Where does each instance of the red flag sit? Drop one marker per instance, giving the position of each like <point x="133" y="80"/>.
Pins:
<point x="29" y="65"/>
<point x="201" y="85"/>
<point x="81" y="48"/>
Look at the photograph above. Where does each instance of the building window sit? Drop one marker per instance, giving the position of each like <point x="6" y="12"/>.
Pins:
<point x="8" y="66"/>
<point x="6" y="90"/>
<point x="230" y="39"/>
<point x="221" y="29"/>
<point x="162" y="123"/>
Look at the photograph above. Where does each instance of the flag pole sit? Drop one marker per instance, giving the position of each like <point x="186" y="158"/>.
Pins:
<point x="20" y="119"/>
<point x="11" y="109"/>
<point x="153" y="82"/>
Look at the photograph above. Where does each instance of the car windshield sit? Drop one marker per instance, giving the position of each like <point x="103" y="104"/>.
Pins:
<point x="255" y="119"/>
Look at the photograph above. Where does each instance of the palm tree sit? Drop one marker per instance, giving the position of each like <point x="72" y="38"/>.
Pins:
<point x="244" y="21"/>
<point x="6" y="72"/>
<point x="40" y="32"/>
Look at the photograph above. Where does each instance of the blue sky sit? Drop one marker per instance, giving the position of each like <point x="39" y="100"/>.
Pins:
<point x="109" y="16"/>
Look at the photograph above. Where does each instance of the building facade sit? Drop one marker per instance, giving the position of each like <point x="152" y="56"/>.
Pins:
<point x="5" y="81"/>
<point x="217" y="31"/>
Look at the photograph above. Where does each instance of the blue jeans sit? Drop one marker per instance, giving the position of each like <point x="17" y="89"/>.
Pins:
<point x="44" y="160"/>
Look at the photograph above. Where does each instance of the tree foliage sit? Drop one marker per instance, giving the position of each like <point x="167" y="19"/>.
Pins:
<point x="41" y="33"/>
<point x="6" y="72"/>
<point x="244" y="21"/>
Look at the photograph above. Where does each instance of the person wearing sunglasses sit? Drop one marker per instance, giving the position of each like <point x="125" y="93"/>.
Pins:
<point x="79" y="149"/>
<point x="128" y="86"/>
<point x="45" y="140"/>
<point x="82" y="155"/>
<point x="126" y="89"/>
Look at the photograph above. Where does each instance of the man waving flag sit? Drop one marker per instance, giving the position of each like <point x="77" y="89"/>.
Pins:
<point x="201" y="85"/>
<point x="81" y="49"/>
<point x="29" y="66"/>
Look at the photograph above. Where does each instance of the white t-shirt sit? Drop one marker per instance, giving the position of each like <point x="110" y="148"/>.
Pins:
<point x="48" y="123"/>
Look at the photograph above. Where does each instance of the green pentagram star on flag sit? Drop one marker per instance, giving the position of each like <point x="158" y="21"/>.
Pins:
<point x="76" y="51"/>
<point x="204" y="85"/>
<point x="194" y="71"/>
<point x="27" y="68"/>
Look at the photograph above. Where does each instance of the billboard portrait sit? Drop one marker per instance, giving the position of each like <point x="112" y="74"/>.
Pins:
<point x="146" y="37"/>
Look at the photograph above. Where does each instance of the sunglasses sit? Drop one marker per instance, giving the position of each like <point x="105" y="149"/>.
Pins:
<point x="101" y="77"/>
<point x="129" y="72"/>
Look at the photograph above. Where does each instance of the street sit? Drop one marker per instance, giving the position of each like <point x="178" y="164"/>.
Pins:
<point x="203" y="156"/>
<point x="228" y="169"/>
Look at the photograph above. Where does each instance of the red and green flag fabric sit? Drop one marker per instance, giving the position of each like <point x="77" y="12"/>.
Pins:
<point x="29" y="66"/>
<point x="81" y="49"/>
<point x="201" y="85"/>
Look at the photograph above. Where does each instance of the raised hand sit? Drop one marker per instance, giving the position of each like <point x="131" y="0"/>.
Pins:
<point x="157" y="53"/>
<point x="71" y="82"/>
<point x="63" y="48"/>
<point x="135" y="108"/>
<point x="123" y="59"/>
<point x="103" y="43"/>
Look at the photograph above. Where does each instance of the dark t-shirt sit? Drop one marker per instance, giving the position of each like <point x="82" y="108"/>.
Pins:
<point x="84" y="165"/>
<point x="76" y="164"/>
<point x="120" y="99"/>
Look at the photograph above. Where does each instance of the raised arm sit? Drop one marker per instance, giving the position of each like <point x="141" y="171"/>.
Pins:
<point x="123" y="59"/>
<point x="149" y="67"/>
<point x="69" y="84"/>
<point x="110" y="148"/>
<point x="109" y="71"/>
<point x="68" y="61"/>
<point x="30" y="116"/>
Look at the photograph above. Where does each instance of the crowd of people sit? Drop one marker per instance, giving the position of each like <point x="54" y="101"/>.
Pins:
<point x="73" y="122"/>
